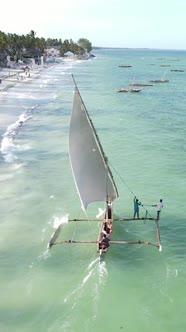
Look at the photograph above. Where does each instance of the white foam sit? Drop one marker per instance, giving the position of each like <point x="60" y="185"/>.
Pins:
<point x="8" y="146"/>
<point x="44" y="255"/>
<point x="87" y="277"/>
<point x="60" y="221"/>
<point x="16" y="166"/>
<point x="93" y="262"/>
<point x="100" y="213"/>
<point x="6" y="177"/>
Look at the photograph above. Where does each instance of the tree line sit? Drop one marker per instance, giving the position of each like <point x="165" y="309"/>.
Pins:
<point x="18" y="44"/>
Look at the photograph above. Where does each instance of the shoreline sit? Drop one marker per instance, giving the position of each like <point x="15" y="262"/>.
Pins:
<point x="17" y="77"/>
<point x="12" y="78"/>
<point x="11" y="122"/>
<point x="9" y="77"/>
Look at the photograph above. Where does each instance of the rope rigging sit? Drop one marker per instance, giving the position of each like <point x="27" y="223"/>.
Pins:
<point x="75" y="226"/>
<point x="142" y="205"/>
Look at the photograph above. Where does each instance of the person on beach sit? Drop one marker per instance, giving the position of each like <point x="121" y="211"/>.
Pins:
<point x="136" y="207"/>
<point x="159" y="207"/>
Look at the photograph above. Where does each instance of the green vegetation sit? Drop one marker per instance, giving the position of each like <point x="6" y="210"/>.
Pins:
<point x="85" y="44"/>
<point x="18" y="44"/>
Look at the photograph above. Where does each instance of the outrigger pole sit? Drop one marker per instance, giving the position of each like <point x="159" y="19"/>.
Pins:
<point x="111" y="242"/>
<point x="55" y="235"/>
<point x="117" y="219"/>
<point x="158" y="235"/>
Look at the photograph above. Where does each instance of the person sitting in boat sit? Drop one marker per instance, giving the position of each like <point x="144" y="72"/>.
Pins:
<point x="105" y="242"/>
<point x="107" y="229"/>
<point x="136" y="207"/>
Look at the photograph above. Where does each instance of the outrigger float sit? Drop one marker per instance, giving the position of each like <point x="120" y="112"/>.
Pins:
<point x="94" y="180"/>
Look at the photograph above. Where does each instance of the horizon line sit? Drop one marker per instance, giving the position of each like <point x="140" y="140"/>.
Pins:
<point x="141" y="48"/>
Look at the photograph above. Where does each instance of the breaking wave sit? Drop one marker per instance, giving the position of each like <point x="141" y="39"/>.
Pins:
<point x="8" y="146"/>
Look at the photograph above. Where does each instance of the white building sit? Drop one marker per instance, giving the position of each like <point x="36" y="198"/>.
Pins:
<point x="53" y="51"/>
<point x="69" y="54"/>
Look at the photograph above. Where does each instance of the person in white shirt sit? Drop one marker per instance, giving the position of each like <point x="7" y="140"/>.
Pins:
<point x="159" y="206"/>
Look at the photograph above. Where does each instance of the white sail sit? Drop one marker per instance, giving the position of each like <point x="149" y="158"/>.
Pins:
<point x="91" y="173"/>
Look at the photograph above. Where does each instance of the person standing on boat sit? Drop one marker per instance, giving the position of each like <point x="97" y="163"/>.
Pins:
<point x="136" y="207"/>
<point x="159" y="207"/>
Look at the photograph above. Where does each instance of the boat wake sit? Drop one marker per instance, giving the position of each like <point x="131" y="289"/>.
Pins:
<point x="96" y="275"/>
<point x="89" y="290"/>
<point x="45" y="255"/>
<point x="8" y="146"/>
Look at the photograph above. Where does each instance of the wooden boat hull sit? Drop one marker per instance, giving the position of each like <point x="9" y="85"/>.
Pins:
<point x="106" y="228"/>
<point x="140" y="84"/>
<point x="129" y="90"/>
<point x="159" y="81"/>
<point x="125" y="66"/>
<point x="178" y="70"/>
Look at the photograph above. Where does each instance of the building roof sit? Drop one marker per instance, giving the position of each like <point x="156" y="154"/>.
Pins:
<point x="69" y="53"/>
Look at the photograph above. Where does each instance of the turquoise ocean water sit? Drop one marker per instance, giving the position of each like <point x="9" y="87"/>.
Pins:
<point x="136" y="288"/>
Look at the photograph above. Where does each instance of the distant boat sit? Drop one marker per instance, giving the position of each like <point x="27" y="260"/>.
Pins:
<point x="178" y="70"/>
<point x="128" y="90"/>
<point x="94" y="181"/>
<point x="159" y="81"/>
<point x="140" y="84"/>
<point x="125" y="66"/>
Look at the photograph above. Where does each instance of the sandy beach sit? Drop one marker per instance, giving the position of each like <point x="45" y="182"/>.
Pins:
<point x="9" y="77"/>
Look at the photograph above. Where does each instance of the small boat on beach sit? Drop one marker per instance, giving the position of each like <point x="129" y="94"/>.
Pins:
<point x="94" y="181"/>
<point x="128" y="90"/>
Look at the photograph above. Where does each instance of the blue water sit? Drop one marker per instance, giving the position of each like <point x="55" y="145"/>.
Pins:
<point x="136" y="288"/>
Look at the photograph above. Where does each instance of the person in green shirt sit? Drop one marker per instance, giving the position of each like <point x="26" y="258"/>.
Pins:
<point x="136" y="207"/>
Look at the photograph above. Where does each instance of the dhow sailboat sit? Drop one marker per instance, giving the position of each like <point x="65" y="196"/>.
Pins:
<point x="93" y="178"/>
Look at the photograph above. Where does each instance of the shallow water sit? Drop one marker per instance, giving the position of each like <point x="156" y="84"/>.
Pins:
<point x="136" y="288"/>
